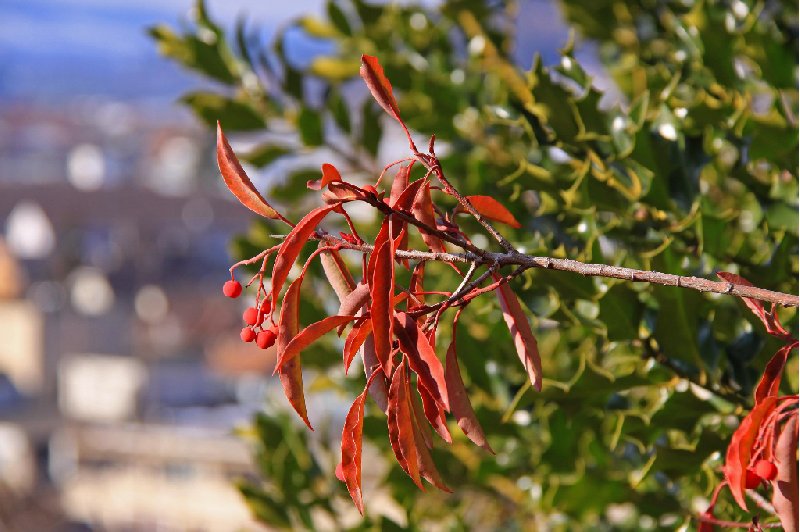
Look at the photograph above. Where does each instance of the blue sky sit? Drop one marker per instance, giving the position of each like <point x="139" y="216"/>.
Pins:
<point x="55" y="49"/>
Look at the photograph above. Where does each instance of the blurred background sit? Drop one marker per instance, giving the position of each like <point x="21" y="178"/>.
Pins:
<point x="122" y="377"/>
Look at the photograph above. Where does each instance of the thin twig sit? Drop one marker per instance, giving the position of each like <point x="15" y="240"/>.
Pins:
<point x="432" y="163"/>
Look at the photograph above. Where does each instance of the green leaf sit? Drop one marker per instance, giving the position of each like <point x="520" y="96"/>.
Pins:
<point x="210" y="58"/>
<point x="265" y="154"/>
<point x="309" y="122"/>
<point x="233" y="114"/>
<point x="338" y="18"/>
<point x="621" y="313"/>
<point x="339" y="110"/>
<point x="371" y="130"/>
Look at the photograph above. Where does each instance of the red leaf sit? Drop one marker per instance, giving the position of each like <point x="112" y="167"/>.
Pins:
<point x="380" y="238"/>
<point x="291" y="375"/>
<point x="329" y="175"/>
<point x="291" y="246"/>
<point x="308" y="336"/>
<point x="399" y="184"/>
<point x="352" y="434"/>
<point x="382" y="292"/>
<point x="421" y="427"/>
<point x="520" y="329"/>
<point x="490" y="208"/>
<point x="427" y="468"/>
<point x="785" y="485"/>
<point x="737" y="458"/>
<point x="339" y="192"/>
<point x="379" y="389"/>
<point x="379" y="85"/>
<point x="434" y="413"/>
<point x="337" y="273"/>
<point x="405" y="200"/>
<point x="705" y="526"/>
<point x="422" y="357"/>
<point x="416" y="284"/>
<point x="354" y="341"/>
<point x="771" y="379"/>
<point x="354" y="301"/>
<point x="423" y="211"/>
<point x="401" y="425"/>
<point x="460" y="405"/>
<point x="770" y="321"/>
<point x="237" y="181"/>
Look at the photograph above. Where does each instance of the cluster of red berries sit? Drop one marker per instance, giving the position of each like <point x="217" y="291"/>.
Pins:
<point x="762" y="471"/>
<point x="254" y="318"/>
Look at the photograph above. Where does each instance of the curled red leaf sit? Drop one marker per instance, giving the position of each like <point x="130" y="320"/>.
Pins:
<point x="329" y="175"/>
<point x="419" y="420"/>
<point x="291" y="375"/>
<point x="308" y="336"/>
<point x="427" y="468"/>
<point x="769" y="319"/>
<point x="416" y="285"/>
<point x="381" y="293"/>
<point x="337" y="273"/>
<point x="422" y="357"/>
<point x="524" y="341"/>
<point x="237" y="181"/>
<point x="405" y="200"/>
<point x="399" y="184"/>
<point x="339" y="193"/>
<point x="737" y="458"/>
<point x="353" y="302"/>
<point x="372" y="73"/>
<point x="460" y="405"/>
<point x="771" y="379"/>
<point x="490" y="208"/>
<point x="705" y="526"/>
<point x="354" y="341"/>
<point x="423" y="211"/>
<point x="291" y="246"/>
<point x="379" y="389"/>
<point x="401" y="425"/>
<point x="434" y="413"/>
<point x="785" y="485"/>
<point x="352" y="435"/>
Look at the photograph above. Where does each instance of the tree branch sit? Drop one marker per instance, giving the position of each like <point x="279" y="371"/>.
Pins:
<point x="587" y="269"/>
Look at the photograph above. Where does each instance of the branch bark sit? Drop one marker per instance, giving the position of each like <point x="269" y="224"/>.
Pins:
<point x="587" y="269"/>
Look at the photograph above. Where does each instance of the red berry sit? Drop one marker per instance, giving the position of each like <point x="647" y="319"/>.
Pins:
<point x="251" y="316"/>
<point x="266" y="339"/>
<point x="266" y="306"/>
<point x="766" y="470"/>
<point x="752" y="480"/>
<point x="232" y="289"/>
<point x="247" y="334"/>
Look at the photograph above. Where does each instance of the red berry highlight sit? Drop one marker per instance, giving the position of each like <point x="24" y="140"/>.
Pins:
<point x="752" y="480"/>
<point x="766" y="469"/>
<point x="266" y="339"/>
<point x="232" y="289"/>
<point x="247" y="334"/>
<point x="252" y="316"/>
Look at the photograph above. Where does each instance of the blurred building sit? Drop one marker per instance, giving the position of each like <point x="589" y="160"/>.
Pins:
<point x="121" y="373"/>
